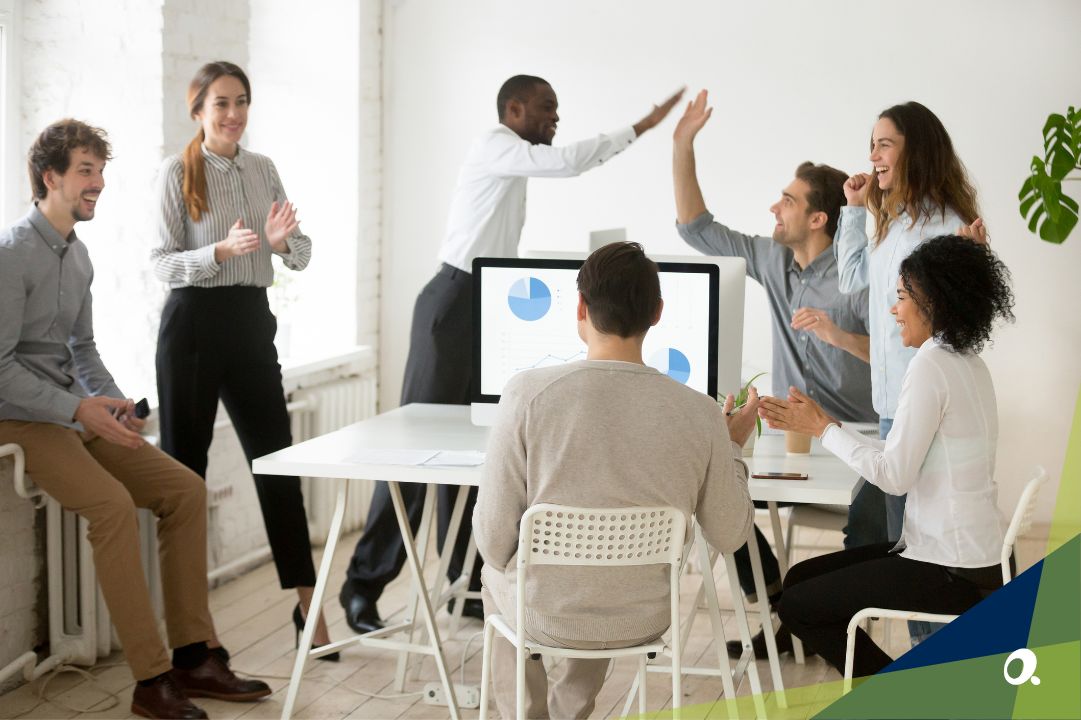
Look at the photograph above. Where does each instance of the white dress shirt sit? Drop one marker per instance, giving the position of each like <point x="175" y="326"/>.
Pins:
<point x="488" y="209"/>
<point x="860" y="264"/>
<point x="941" y="451"/>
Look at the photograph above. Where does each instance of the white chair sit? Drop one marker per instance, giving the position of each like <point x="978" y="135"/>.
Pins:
<point x="1019" y="524"/>
<point x="574" y="536"/>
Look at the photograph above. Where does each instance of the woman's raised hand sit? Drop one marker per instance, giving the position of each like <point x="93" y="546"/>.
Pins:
<point x="856" y="188"/>
<point x="281" y="221"/>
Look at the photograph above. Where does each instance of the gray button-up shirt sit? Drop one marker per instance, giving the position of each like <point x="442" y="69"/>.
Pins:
<point x="48" y="359"/>
<point x="839" y="381"/>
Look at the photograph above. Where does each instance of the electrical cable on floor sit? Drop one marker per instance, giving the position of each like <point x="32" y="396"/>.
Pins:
<point x="465" y="651"/>
<point x="110" y="697"/>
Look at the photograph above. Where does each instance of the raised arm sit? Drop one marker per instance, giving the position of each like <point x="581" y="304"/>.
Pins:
<point x="508" y="155"/>
<point x="850" y="245"/>
<point x="689" y="201"/>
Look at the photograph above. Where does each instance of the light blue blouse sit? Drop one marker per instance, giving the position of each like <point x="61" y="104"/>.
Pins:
<point x="861" y="264"/>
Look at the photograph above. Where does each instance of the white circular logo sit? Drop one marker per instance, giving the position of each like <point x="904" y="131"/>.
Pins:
<point x="1028" y="667"/>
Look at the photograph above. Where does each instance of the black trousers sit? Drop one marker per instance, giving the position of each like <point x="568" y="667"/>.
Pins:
<point x="439" y="369"/>
<point x="219" y="343"/>
<point x="822" y="594"/>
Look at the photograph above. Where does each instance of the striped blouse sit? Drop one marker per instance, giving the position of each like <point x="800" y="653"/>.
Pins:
<point x="242" y="187"/>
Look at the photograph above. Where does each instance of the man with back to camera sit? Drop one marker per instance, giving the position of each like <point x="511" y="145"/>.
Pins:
<point x="820" y="341"/>
<point x="80" y="435"/>
<point x="601" y="432"/>
<point x="486" y="217"/>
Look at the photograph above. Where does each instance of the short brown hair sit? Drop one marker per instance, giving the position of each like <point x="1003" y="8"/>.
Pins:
<point x="621" y="288"/>
<point x="52" y="150"/>
<point x="827" y="193"/>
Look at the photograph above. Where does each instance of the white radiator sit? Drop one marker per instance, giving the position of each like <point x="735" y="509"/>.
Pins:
<point x="322" y="396"/>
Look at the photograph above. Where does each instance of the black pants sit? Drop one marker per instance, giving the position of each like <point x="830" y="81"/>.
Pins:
<point x="822" y="594"/>
<point x="866" y="526"/>
<point x="439" y="369"/>
<point x="219" y="343"/>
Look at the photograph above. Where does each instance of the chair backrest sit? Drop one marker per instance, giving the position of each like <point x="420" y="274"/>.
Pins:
<point x="561" y="535"/>
<point x="1022" y="519"/>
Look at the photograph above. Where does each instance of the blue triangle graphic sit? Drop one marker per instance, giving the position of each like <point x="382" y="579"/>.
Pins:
<point x="1007" y="611"/>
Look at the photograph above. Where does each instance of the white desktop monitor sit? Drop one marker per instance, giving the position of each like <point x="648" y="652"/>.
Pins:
<point x="524" y="317"/>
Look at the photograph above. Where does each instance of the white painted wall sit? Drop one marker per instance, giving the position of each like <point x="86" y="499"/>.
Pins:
<point x="790" y="82"/>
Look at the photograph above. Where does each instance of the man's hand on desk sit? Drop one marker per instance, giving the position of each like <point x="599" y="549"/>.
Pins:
<point x="741" y="423"/>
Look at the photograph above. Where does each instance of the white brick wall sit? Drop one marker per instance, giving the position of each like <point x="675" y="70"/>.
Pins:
<point x="125" y="65"/>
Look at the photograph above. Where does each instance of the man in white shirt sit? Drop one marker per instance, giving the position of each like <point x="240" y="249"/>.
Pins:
<point x="486" y="218"/>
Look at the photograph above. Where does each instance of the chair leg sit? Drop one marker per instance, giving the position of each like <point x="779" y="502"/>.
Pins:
<point x="635" y="684"/>
<point x="850" y="655"/>
<point x="519" y="682"/>
<point x="641" y="684"/>
<point x="486" y="669"/>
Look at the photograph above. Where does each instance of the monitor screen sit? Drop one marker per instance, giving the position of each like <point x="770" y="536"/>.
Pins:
<point x="524" y="313"/>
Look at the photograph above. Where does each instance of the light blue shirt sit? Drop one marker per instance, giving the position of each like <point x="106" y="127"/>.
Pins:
<point x="860" y="264"/>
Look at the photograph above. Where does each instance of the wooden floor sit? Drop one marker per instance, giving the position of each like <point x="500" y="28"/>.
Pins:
<point x="253" y="617"/>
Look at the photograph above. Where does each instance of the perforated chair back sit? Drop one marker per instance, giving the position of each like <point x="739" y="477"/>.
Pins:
<point x="1022" y="518"/>
<point x="560" y="535"/>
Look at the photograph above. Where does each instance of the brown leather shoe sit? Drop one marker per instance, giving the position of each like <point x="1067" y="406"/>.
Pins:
<point x="214" y="679"/>
<point x="164" y="699"/>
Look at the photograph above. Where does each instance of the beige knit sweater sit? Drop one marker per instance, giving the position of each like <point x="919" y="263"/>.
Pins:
<point x="605" y="434"/>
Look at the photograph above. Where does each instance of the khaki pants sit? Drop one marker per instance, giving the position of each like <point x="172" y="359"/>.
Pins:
<point x="573" y="693"/>
<point x="104" y="483"/>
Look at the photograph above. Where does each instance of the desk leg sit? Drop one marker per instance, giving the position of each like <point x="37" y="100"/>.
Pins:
<point x="424" y="532"/>
<point x="316" y="607"/>
<point x="425" y="600"/>
<point x="782" y="562"/>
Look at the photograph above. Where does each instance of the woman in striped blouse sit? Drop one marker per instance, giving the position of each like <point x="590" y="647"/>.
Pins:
<point x="223" y="215"/>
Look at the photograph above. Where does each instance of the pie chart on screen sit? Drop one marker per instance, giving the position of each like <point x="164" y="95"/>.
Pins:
<point x="672" y="363"/>
<point x="529" y="299"/>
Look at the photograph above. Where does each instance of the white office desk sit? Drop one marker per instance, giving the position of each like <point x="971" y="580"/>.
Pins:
<point x="448" y="427"/>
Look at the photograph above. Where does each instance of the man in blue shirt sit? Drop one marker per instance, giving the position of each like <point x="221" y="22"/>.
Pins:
<point x="820" y="341"/>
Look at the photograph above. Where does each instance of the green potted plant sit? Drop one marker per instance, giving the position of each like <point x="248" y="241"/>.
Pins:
<point x="1050" y="213"/>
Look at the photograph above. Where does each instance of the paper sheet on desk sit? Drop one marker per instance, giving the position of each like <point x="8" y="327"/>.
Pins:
<point x="455" y="458"/>
<point x="419" y="458"/>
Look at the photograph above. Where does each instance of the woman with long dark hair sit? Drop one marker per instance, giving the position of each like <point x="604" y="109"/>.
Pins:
<point x="223" y="215"/>
<point x="917" y="189"/>
<point x="941" y="452"/>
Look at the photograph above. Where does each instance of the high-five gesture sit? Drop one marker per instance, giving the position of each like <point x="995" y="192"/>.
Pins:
<point x="281" y="221"/>
<point x="658" y="113"/>
<point x="856" y="188"/>
<point x="694" y="119"/>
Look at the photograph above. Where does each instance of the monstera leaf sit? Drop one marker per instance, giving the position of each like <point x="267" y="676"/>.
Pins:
<point x="1050" y="213"/>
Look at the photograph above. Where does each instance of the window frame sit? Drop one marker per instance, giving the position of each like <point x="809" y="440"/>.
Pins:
<point x="12" y="180"/>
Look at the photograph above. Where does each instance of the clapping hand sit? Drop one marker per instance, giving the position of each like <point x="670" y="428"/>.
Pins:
<point x="281" y="221"/>
<point x="742" y="422"/>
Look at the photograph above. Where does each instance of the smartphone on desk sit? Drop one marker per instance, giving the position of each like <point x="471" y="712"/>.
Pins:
<point x="779" y="476"/>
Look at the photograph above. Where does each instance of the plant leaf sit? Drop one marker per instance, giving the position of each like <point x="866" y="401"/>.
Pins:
<point x="1058" y="145"/>
<point x="1051" y="214"/>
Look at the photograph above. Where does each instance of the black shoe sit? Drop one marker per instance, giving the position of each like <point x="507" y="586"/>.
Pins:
<point x="298" y="623"/>
<point x="214" y="679"/>
<point x="783" y="638"/>
<point x="164" y="698"/>
<point x="360" y="613"/>
<point x="472" y="608"/>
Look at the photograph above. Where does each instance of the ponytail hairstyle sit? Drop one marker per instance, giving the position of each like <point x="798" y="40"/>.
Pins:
<point x="930" y="176"/>
<point x="194" y="184"/>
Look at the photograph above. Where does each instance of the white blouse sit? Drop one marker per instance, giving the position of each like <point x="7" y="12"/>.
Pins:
<point x="941" y="451"/>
